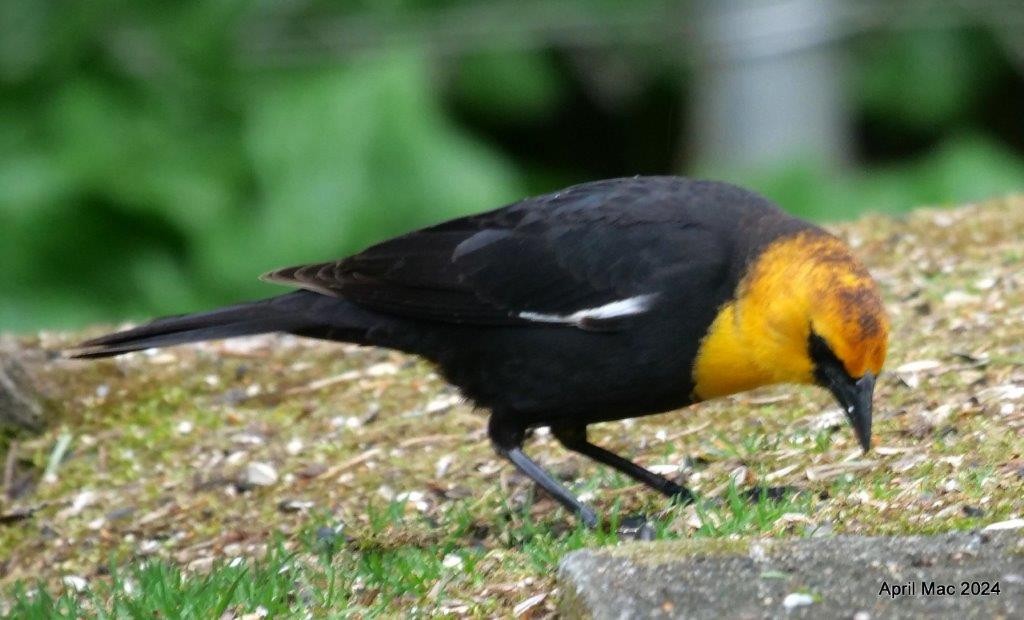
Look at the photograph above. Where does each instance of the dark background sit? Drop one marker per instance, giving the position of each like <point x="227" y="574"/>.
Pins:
<point x="155" y="157"/>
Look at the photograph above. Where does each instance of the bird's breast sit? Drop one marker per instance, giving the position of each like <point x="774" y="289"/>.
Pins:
<point x="726" y="362"/>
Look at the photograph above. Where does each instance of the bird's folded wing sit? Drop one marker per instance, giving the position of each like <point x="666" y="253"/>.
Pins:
<point x="589" y="274"/>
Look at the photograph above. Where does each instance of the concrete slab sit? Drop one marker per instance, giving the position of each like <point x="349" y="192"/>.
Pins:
<point x="964" y="575"/>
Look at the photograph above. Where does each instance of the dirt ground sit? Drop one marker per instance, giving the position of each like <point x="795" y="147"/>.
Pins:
<point x="206" y="452"/>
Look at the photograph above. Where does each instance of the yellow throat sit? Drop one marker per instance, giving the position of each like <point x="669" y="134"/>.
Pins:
<point x="808" y="280"/>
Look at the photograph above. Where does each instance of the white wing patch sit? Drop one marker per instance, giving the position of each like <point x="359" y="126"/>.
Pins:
<point x="613" y="310"/>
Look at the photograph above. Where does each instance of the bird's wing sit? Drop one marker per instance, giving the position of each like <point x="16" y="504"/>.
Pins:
<point x="590" y="260"/>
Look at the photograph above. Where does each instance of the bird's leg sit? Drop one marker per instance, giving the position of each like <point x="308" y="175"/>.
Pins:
<point x="575" y="439"/>
<point x="508" y="442"/>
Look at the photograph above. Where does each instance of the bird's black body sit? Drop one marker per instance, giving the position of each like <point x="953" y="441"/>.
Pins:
<point x="453" y="293"/>
<point x="517" y="306"/>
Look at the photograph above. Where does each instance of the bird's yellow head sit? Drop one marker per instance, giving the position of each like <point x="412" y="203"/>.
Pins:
<point x="805" y="312"/>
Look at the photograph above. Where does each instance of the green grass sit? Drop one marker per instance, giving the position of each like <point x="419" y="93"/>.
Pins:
<point x="160" y="590"/>
<point x="321" y="572"/>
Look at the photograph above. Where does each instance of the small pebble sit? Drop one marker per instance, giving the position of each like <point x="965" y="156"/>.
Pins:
<point x="258" y="474"/>
<point x="250" y="439"/>
<point x="200" y="565"/>
<point x="452" y="560"/>
<point x="416" y="498"/>
<point x="382" y="369"/>
<point x="48" y="533"/>
<point x="234" y="396"/>
<point x="524" y="607"/>
<point x="118" y="514"/>
<point x="74" y="582"/>
<point x="797" y="599"/>
<point x="637" y="528"/>
<point x="325" y="534"/>
<point x="442" y="404"/>
<point x="984" y="284"/>
<point x="312" y="470"/>
<point x="295" y="505"/>
<point x="959" y="298"/>
<point x="261" y="612"/>
<point x="973" y="511"/>
<point x="327" y="538"/>
<point x="443" y="463"/>
<point x="81" y="501"/>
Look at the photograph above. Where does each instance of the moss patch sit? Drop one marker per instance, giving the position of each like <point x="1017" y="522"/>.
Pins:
<point x="658" y="553"/>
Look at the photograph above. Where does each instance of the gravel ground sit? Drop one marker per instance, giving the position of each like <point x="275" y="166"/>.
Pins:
<point x="206" y="452"/>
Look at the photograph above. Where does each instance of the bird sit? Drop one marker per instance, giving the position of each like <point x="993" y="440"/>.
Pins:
<point x="606" y="300"/>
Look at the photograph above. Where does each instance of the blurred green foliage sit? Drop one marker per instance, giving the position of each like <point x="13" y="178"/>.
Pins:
<point x="171" y="181"/>
<point x="961" y="169"/>
<point x="147" y="168"/>
<point x="894" y="86"/>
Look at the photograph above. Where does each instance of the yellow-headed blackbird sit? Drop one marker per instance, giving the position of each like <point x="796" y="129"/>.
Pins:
<point x="603" y="301"/>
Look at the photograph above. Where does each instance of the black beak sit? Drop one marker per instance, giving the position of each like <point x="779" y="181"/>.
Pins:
<point x="855" y="399"/>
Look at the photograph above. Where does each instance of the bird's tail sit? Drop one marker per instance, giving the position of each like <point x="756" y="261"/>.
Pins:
<point x="286" y="313"/>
